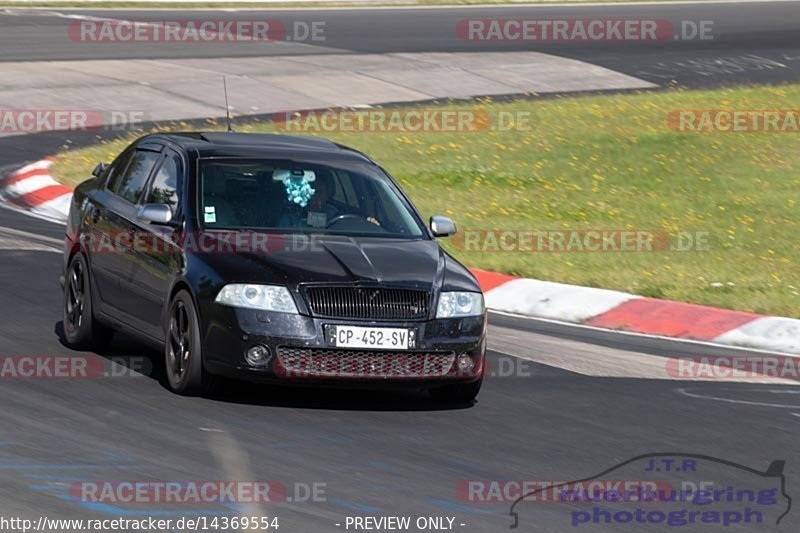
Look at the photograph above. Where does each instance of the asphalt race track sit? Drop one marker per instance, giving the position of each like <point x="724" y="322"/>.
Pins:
<point x="375" y="453"/>
<point x="752" y="41"/>
<point x="381" y="453"/>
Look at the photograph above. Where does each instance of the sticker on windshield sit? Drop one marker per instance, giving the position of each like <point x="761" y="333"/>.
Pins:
<point x="210" y="214"/>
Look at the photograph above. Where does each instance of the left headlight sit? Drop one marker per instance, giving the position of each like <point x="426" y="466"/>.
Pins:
<point x="458" y="304"/>
<point x="262" y="297"/>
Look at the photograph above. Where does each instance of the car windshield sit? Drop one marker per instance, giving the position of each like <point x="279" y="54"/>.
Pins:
<point x="297" y="196"/>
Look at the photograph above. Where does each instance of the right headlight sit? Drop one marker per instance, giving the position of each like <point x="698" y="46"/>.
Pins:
<point x="459" y="304"/>
<point x="262" y="297"/>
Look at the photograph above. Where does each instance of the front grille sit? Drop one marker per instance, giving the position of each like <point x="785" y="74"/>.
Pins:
<point x="372" y="303"/>
<point x="350" y="364"/>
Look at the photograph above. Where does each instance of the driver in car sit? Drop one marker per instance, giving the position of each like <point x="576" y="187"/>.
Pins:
<point x="321" y="208"/>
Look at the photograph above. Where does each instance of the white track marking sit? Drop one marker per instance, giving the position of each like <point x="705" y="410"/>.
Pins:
<point x="778" y="333"/>
<point x="682" y="391"/>
<point x="42" y="164"/>
<point x="31" y="184"/>
<point x="559" y="301"/>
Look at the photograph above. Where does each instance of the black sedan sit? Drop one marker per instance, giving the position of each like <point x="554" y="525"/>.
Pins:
<point x="269" y="258"/>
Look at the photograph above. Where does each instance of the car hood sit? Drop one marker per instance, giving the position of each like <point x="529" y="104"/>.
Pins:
<point x="419" y="264"/>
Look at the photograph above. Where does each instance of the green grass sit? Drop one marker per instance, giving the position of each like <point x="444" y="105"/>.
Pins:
<point x="609" y="162"/>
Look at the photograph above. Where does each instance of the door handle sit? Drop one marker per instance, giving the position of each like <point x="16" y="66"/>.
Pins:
<point x="96" y="215"/>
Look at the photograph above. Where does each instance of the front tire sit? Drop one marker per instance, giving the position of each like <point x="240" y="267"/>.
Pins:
<point x="457" y="392"/>
<point x="183" y="353"/>
<point x="81" y="330"/>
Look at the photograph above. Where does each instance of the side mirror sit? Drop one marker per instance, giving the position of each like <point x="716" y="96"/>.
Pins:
<point x="442" y="226"/>
<point x="99" y="169"/>
<point x="160" y="214"/>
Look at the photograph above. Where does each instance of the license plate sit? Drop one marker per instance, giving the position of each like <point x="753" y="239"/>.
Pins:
<point x="362" y="337"/>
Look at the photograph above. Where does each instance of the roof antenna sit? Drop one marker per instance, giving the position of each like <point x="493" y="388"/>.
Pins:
<point x="227" y="109"/>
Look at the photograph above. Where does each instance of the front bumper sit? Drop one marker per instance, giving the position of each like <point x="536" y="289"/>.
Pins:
<point x="446" y="351"/>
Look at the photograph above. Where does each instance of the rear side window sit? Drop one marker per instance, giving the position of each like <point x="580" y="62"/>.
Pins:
<point x="165" y="183"/>
<point x="134" y="180"/>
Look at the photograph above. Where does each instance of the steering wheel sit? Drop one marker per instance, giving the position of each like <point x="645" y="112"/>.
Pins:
<point x="339" y="218"/>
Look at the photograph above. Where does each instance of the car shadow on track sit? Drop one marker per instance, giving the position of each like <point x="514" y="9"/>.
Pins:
<point x="128" y="353"/>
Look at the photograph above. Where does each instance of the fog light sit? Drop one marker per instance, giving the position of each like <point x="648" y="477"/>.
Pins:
<point x="465" y="363"/>
<point x="258" y="355"/>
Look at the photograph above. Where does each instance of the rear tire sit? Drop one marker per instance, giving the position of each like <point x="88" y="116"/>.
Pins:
<point x="81" y="330"/>
<point x="183" y="354"/>
<point x="457" y="392"/>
